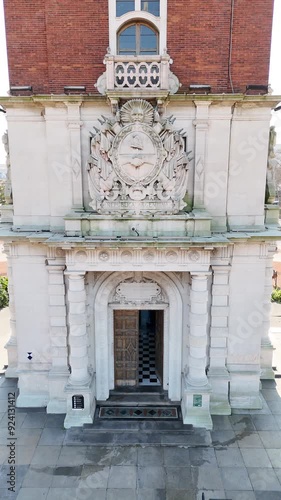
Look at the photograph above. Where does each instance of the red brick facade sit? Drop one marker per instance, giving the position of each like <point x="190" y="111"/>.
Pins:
<point x="55" y="43"/>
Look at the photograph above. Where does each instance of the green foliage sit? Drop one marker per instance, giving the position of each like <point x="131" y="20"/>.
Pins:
<point x="2" y="192"/>
<point x="4" y="294"/>
<point x="276" y="295"/>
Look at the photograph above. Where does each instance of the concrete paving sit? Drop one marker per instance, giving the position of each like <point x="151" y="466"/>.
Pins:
<point x="241" y="461"/>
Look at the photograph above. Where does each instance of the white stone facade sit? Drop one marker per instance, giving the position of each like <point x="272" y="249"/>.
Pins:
<point x="207" y="267"/>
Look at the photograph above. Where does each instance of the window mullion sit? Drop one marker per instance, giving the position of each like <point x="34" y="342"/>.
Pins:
<point x="137" y="4"/>
<point x="138" y="40"/>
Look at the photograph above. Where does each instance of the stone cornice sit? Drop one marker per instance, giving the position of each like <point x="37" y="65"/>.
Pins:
<point x="261" y="100"/>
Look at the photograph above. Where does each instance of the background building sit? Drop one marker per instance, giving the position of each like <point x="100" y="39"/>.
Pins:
<point x="140" y="246"/>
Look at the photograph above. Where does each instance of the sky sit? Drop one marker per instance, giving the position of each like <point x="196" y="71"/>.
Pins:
<point x="275" y="70"/>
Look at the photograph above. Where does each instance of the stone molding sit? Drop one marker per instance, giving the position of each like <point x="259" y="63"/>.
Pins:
<point x="139" y="258"/>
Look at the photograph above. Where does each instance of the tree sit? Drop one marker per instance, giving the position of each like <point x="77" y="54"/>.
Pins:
<point x="4" y="294"/>
<point x="2" y="192"/>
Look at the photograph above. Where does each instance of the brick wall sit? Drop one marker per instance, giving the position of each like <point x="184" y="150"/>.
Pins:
<point x="53" y="43"/>
<point x="199" y="39"/>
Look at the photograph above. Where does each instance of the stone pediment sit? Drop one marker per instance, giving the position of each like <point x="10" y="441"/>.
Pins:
<point x="138" y="164"/>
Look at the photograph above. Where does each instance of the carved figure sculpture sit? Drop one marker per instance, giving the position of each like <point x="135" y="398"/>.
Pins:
<point x="138" y="163"/>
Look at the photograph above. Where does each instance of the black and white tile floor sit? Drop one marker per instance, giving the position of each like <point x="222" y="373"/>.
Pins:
<point x="147" y="372"/>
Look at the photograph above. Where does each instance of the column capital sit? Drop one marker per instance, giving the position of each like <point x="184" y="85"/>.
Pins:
<point x="10" y="249"/>
<point x="54" y="267"/>
<point x="200" y="274"/>
<point x="75" y="274"/>
<point x="221" y="269"/>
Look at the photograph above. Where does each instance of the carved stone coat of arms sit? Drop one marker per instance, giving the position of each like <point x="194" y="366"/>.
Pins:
<point x="138" y="164"/>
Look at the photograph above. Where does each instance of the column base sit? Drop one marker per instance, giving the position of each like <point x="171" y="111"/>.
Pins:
<point x="267" y="372"/>
<point x="11" y="372"/>
<point x="56" y="406"/>
<point x="32" y="401"/>
<point x="196" y="405"/>
<point x="33" y="389"/>
<point x="12" y="352"/>
<point x="245" y="402"/>
<point x="57" y="380"/>
<point x="244" y="390"/>
<point x="219" y="381"/>
<point x="77" y="417"/>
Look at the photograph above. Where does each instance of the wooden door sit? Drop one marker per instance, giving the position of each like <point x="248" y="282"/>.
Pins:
<point x="126" y="347"/>
<point x="159" y="343"/>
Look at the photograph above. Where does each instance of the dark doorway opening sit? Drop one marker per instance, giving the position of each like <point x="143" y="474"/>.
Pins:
<point x="138" y="349"/>
<point x="150" y="348"/>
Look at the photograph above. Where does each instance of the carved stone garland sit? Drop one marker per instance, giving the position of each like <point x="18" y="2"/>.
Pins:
<point x="138" y="163"/>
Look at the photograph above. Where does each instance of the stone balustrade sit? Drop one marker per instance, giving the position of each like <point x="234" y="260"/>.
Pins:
<point x="132" y="72"/>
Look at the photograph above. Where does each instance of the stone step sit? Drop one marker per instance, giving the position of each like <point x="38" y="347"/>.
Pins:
<point x="138" y="426"/>
<point x="141" y="433"/>
<point x="140" y="399"/>
<point x="75" y="437"/>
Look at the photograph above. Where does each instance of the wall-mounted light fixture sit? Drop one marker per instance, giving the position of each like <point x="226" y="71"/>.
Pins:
<point x="262" y="89"/>
<point x="75" y="88"/>
<point x="21" y="88"/>
<point x="196" y="88"/>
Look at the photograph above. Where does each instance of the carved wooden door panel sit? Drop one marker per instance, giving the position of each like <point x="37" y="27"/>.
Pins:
<point x="126" y="343"/>
<point x="159" y="343"/>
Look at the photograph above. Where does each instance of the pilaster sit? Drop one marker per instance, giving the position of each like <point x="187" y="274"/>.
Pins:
<point x="74" y="126"/>
<point x="11" y="345"/>
<point x="59" y="372"/>
<point x="201" y="130"/>
<point x="80" y="384"/>
<point x="218" y="373"/>
<point x="196" y="389"/>
<point x="266" y="345"/>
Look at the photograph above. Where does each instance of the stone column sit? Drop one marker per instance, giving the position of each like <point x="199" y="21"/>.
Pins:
<point x="201" y="129"/>
<point x="59" y="372"/>
<point x="218" y="373"/>
<point x="79" y="383"/>
<point x="266" y="345"/>
<point x="196" y="390"/>
<point x="11" y="345"/>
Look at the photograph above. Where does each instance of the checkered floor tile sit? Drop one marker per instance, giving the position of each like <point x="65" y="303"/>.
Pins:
<point x="147" y="373"/>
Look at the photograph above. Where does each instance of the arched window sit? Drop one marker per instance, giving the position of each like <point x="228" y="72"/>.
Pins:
<point x="138" y="39"/>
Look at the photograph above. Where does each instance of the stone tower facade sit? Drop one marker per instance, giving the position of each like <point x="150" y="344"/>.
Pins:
<point x="138" y="142"/>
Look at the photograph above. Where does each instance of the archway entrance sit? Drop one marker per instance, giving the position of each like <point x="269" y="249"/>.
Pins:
<point x="128" y="291"/>
<point x="138" y="348"/>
